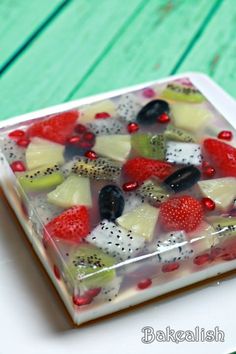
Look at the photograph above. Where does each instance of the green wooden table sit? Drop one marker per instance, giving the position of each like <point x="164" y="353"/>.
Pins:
<point x="58" y="50"/>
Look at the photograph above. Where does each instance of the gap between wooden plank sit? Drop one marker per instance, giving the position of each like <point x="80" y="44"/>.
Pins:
<point x="197" y="36"/>
<point x="106" y="50"/>
<point x="34" y="35"/>
<point x="147" y="49"/>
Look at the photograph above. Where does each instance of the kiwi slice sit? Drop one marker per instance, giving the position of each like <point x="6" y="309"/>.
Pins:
<point x="150" y="146"/>
<point x="176" y="134"/>
<point x="154" y="192"/>
<point x="40" y="179"/>
<point x="178" y="92"/>
<point x="224" y="227"/>
<point x="90" y="266"/>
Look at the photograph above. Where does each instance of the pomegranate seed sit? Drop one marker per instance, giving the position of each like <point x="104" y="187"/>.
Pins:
<point x="202" y="259"/>
<point x="132" y="127"/>
<point x="163" y="118"/>
<point x="228" y="256"/>
<point x="205" y="164"/>
<point x="102" y="115"/>
<point x="80" y="128"/>
<point x="216" y="252"/>
<point x="144" y="284"/>
<point x="91" y="155"/>
<point x="225" y="135"/>
<point x="208" y="204"/>
<point x="130" y="186"/>
<point x="209" y="171"/>
<point x="73" y="139"/>
<point x="82" y="300"/>
<point x="16" y="134"/>
<point x="56" y="272"/>
<point x="170" y="267"/>
<point x="18" y="166"/>
<point x="24" y="142"/>
<point x="149" y="92"/>
<point x="93" y="292"/>
<point x="89" y="136"/>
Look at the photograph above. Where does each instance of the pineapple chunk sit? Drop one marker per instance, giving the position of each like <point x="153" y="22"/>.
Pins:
<point x="74" y="190"/>
<point x="116" y="147"/>
<point x="221" y="190"/>
<point x="190" y="116"/>
<point x="141" y="220"/>
<point x="42" y="152"/>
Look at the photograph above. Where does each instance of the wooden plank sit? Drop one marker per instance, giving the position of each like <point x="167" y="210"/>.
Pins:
<point x="57" y="61"/>
<point x="19" y="21"/>
<point x="149" y="48"/>
<point x="215" y="52"/>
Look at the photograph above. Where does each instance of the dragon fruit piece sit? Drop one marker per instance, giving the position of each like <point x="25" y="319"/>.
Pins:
<point x="116" y="241"/>
<point x="132" y="201"/>
<point x="128" y="107"/>
<point x="183" y="153"/>
<point x="110" y="291"/>
<point x="106" y="126"/>
<point x="11" y="150"/>
<point x="173" y="247"/>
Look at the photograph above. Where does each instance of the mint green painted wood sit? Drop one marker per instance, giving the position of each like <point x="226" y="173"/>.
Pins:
<point x="18" y="20"/>
<point x="149" y="48"/>
<point x="215" y="51"/>
<point x="45" y="73"/>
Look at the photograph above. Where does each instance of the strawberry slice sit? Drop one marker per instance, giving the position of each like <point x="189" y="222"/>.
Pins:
<point x="72" y="225"/>
<point x="181" y="213"/>
<point x="139" y="169"/>
<point x="56" y="128"/>
<point x="222" y="156"/>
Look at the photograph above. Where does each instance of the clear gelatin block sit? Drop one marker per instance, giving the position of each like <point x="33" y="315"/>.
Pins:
<point x="128" y="195"/>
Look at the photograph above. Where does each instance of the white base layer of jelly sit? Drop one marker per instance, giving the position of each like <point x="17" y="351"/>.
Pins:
<point x="132" y="296"/>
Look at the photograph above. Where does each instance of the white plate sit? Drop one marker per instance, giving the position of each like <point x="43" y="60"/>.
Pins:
<point x="31" y="313"/>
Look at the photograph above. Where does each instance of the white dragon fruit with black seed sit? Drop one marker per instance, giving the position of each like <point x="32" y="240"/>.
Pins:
<point x="110" y="291"/>
<point x="11" y="150"/>
<point x="132" y="201"/>
<point x="183" y="153"/>
<point x="106" y="126"/>
<point x="116" y="241"/>
<point x="173" y="247"/>
<point x="128" y="107"/>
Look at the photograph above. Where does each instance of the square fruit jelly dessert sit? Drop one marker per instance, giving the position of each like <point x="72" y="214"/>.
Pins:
<point x="128" y="197"/>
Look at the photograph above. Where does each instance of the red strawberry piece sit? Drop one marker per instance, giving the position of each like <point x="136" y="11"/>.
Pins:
<point x="72" y="225"/>
<point x="140" y="168"/>
<point x="181" y="213"/>
<point x="56" y="128"/>
<point x="222" y="156"/>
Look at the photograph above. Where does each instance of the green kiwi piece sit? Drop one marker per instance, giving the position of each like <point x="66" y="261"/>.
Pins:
<point x="150" y="146"/>
<point x="90" y="266"/>
<point x="153" y="191"/>
<point x="40" y="179"/>
<point x="178" y="92"/>
<point x="224" y="226"/>
<point x="176" y="134"/>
